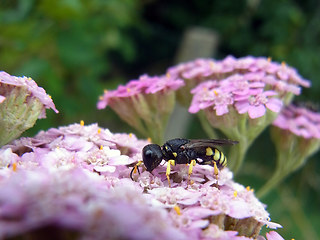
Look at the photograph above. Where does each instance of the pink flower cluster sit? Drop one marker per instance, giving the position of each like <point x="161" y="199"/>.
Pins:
<point x="300" y="121"/>
<point x="279" y="76"/>
<point x="250" y="84"/>
<point x="144" y="85"/>
<point x="8" y="82"/>
<point x="243" y="91"/>
<point x="76" y="178"/>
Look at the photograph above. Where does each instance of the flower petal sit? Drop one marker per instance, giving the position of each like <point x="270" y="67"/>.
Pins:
<point x="256" y="111"/>
<point x="242" y="106"/>
<point x="274" y="104"/>
<point x="274" y="236"/>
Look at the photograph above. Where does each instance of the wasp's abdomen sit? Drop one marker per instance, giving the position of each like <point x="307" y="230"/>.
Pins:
<point x="216" y="156"/>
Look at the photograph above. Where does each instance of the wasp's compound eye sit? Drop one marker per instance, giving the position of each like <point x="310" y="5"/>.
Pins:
<point x="148" y="153"/>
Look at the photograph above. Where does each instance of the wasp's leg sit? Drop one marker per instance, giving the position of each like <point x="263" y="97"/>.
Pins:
<point x="170" y="162"/>
<point x="135" y="169"/>
<point x="192" y="163"/>
<point x="216" y="170"/>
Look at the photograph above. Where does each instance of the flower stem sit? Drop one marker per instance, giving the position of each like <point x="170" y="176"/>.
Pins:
<point x="287" y="162"/>
<point x="293" y="206"/>
<point x="292" y="153"/>
<point x="237" y="154"/>
<point x="206" y="126"/>
<point x="276" y="178"/>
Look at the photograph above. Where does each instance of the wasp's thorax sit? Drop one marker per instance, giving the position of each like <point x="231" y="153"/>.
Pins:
<point x="152" y="156"/>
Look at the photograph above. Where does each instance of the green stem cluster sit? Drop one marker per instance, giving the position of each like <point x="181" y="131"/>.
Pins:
<point x="292" y="153"/>
<point x="241" y="128"/>
<point x="147" y="113"/>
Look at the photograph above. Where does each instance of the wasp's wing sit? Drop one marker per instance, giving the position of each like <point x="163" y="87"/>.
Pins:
<point x="196" y="143"/>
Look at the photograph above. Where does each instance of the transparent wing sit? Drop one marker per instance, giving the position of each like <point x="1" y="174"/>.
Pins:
<point x="198" y="143"/>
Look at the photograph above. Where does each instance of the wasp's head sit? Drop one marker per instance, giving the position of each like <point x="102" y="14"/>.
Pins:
<point x="152" y="156"/>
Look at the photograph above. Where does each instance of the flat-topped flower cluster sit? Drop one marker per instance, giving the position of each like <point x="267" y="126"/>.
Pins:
<point x="74" y="180"/>
<point x="250" y="85"/>
<point x="9" y="83"/>
<point x="145" y="103"/>
<point x="250" y="72"/>
<point x="144" y="85"/>
<point x="300" y="121"/>
<point x="22" y="102"/>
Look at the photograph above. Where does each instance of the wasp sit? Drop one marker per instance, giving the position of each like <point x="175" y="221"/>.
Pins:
<point x="184" y="151"/>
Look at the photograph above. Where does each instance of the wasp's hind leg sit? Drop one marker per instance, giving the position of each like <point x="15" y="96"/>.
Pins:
<point x="135" y="169"/>
<point x="215" y="170"/>
<point x="216" y="174"/>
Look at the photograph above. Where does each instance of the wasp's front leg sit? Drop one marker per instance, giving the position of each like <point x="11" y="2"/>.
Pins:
<point x="135" y="169"/>
<point x="170" y="162"/>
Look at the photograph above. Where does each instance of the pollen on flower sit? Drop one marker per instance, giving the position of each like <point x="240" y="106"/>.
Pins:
<point x="101" y="147"/>
<point x="82" y="123"/>
<point x="128" y="90"/>
<point x="269" y="59"/>
<point x="100" y="98"/>
<point x="149" y="139"/>
<point x="283" y="64"/>
<point x="249" y="189"/>
<point x="14" y="166"/>
<point x="215" y="92"/>
<point x="177" y="209"/>
<point x="99" y="130"/>
<point x="168" y="75"/>
<point x="130" y="135"/>
<point x="235" y="193"/>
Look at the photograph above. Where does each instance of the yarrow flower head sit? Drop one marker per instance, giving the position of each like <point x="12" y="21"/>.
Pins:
<point x="278" y="77"/>
<point x="145" y="104"/>
<point x="300" y="121"/>
<point x="296" y="134"/>
<point x="74" y="181"/>
<point x="235" y="91"/>
<point x="240" y="97"/>
<point x="22" y="102"/>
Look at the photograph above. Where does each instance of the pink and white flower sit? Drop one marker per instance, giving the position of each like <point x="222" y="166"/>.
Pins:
<point x="22" y="102"/>
<point x="257" y="104"/>
<point x="53" y="182"/>
<point x="299" y="121"/>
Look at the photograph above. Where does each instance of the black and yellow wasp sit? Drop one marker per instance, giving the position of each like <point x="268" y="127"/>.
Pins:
<point x="184" y="151"/>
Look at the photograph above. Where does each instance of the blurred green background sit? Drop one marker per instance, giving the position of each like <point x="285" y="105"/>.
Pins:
<point x="76" y="48"/>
